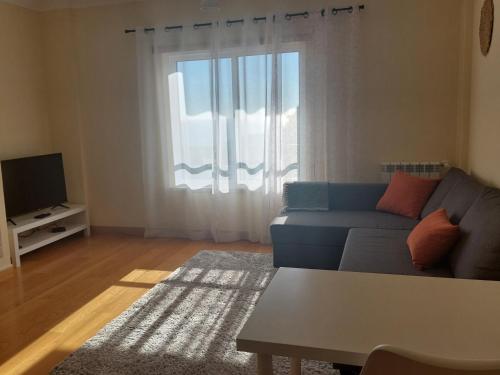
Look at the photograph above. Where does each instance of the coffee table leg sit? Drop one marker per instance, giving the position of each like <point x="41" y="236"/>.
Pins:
<point x="296" y="366"/>
<point x="264" y="364"/>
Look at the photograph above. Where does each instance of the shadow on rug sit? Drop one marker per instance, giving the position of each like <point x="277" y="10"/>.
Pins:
<point x="186" y="324"/>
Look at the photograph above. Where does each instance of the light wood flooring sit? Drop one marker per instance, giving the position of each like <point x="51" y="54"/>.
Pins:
<point x="64" y="293"/>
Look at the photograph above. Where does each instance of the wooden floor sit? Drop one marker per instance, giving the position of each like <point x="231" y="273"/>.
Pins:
<point x="64" y="293"/>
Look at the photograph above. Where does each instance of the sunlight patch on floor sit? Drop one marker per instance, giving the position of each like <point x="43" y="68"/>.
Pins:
<point x="36" y="351"/>
<point x="146" y="276"/>
<point x="86" y="320"/>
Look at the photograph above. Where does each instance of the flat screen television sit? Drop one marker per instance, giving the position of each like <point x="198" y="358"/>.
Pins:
<point x="33" y="183"/>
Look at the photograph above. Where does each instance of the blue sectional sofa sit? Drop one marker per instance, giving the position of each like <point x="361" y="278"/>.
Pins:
<point x="336" y="227"/>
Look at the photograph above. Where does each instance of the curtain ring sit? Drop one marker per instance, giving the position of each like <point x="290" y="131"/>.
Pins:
<point x="334" y="11"/>
<point x="288" y="17"/>
<point x="306" y="14"/>
<point x="195" y="26"/>
<point x="350" y="10"/>
<point x="228" y="24"/>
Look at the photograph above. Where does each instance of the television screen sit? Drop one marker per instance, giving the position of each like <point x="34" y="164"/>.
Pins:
<point x="33" y="183"/>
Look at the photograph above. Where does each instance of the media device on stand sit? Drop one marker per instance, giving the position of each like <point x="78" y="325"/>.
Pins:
<point x="35" y="202"/>
<point x="33" y="183"/>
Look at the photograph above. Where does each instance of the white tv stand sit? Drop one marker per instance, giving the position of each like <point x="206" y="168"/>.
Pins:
<point x="30" y="234"/>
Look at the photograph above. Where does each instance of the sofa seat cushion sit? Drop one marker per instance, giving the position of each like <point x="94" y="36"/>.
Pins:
<point x="383" y="251"/>
<point x="331" y="228"/>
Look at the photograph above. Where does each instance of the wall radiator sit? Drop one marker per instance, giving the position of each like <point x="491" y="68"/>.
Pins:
<point x="421" y="169"/>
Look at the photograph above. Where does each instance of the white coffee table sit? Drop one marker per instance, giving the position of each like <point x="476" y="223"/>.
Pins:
<point x="341" y="316"/>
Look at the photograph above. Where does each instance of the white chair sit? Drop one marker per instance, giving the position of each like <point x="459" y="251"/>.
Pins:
<point x="387" y="360"/>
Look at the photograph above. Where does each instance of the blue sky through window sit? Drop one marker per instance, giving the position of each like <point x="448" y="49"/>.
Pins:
<point x="244" y="85"/>
<point x="254" y="71"/>
<point x="290" y="80"/>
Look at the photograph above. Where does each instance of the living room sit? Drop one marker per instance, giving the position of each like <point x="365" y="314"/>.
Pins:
<point x="233" y="187"/>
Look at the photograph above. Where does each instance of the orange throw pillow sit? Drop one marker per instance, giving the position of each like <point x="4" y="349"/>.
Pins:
<point x="432" y="239"/>
<point x="407" y="195"/>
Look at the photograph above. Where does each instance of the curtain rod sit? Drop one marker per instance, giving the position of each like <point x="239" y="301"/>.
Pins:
<point x="229" y="23"/>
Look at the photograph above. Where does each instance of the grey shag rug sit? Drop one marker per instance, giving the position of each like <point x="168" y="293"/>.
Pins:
<point x="186" y="324"/>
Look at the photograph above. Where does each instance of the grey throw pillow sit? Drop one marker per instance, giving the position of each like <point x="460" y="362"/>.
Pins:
<point x="306" y="196"/>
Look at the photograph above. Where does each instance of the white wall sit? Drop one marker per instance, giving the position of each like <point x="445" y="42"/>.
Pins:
<point x="408" y="110"/>
<point x="24" y="127"/>
<point x="408" y="103"/>
<point x="484" y="153"/>
<point x="69" y="80"/>
<point x="63" y="104"/>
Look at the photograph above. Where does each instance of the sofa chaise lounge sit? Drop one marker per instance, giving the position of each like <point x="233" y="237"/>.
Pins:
<point x="337" y="227"/>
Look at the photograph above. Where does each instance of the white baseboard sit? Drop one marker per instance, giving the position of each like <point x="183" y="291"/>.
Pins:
<point x="5" y="265"/>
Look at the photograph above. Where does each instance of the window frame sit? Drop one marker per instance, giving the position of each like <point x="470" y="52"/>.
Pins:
<point x="233" y="53"/>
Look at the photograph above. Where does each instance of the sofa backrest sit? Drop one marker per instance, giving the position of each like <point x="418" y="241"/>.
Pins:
<point x="444" y="187"/>
<point x="356" y="197"/>
<point x="477" y="254"/>
<point x="456" y="193"/>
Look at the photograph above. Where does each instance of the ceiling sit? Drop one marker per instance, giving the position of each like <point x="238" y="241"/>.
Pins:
<point x="44" y="5"/>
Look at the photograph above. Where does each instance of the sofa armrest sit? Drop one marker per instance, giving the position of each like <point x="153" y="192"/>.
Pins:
<point x="306" y="196"/>
<point x="357" y="197"/>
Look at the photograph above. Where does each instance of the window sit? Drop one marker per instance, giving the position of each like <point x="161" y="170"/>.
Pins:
<point x="220" y="110"/>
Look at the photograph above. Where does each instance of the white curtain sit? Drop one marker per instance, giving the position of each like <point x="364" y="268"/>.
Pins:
<point x="229" y="113"/>
<point x="344" y="107"/>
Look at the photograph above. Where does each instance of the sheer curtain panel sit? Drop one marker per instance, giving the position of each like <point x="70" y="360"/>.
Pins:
<point x="229" y="112"/>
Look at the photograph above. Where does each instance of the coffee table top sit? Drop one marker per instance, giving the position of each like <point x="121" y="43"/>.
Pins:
<point x="341" y="316"/>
